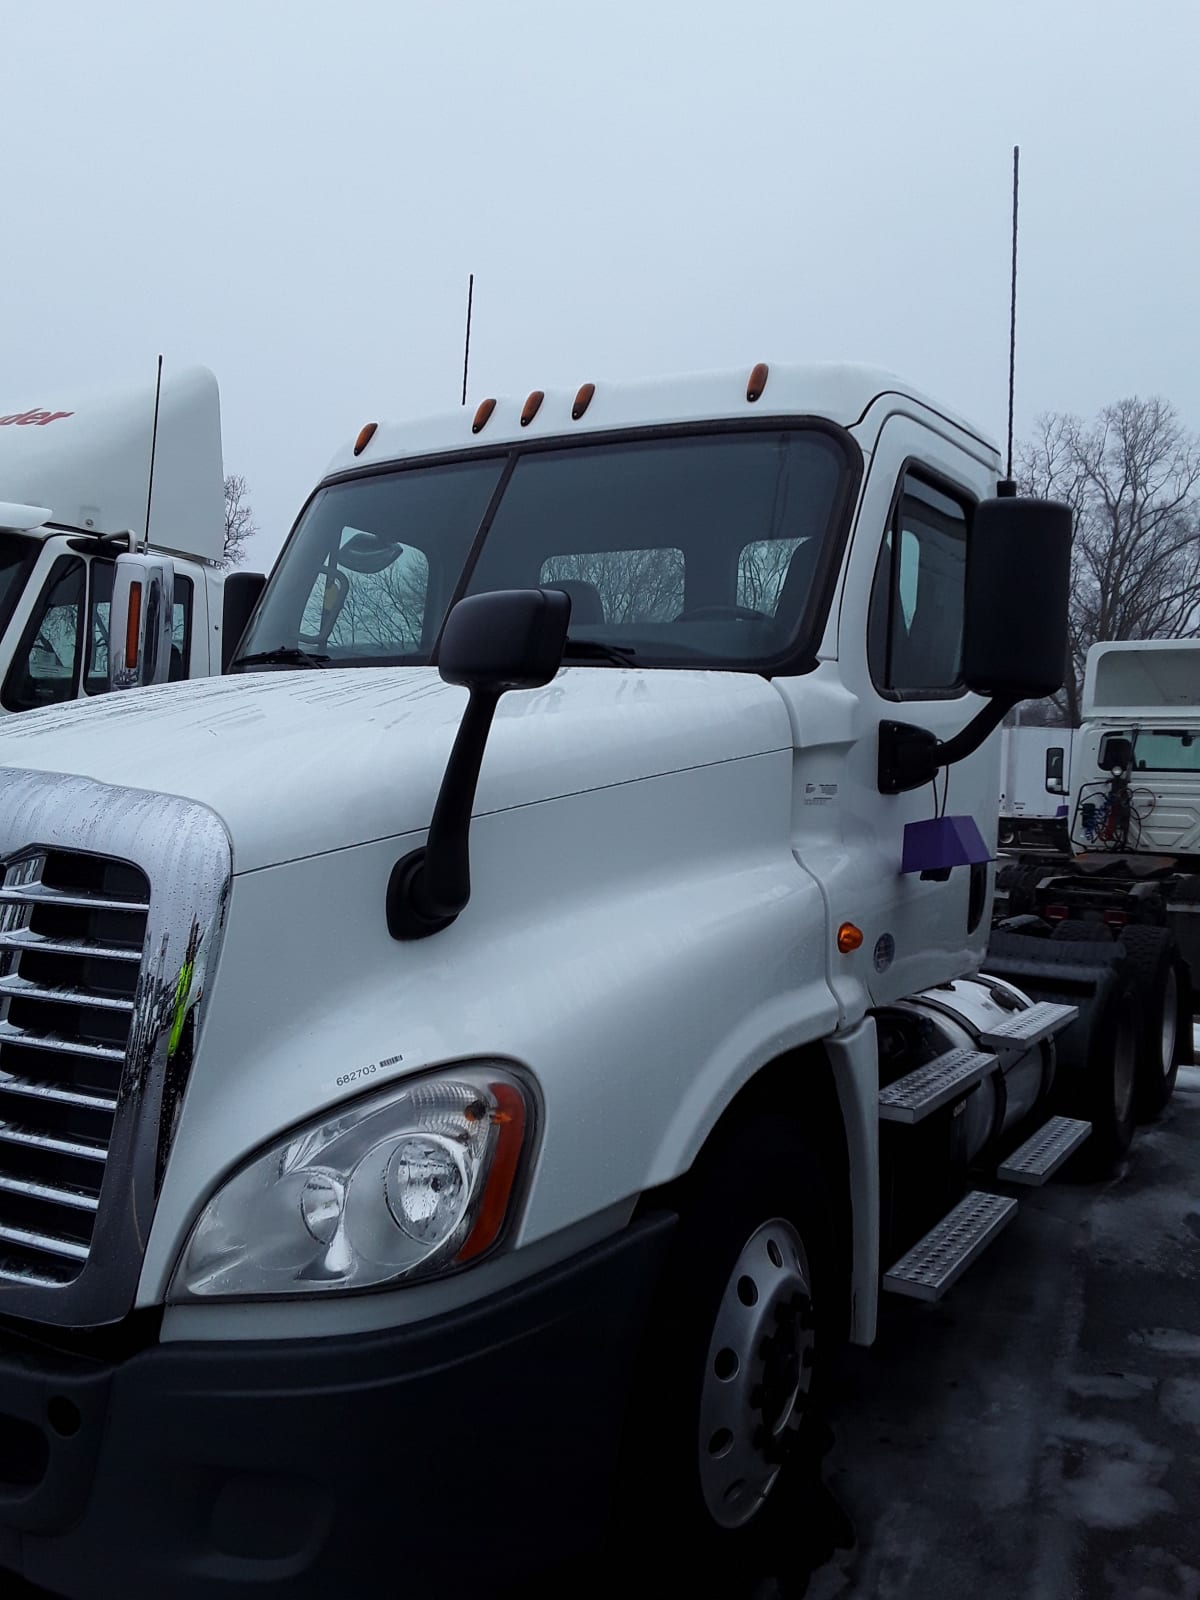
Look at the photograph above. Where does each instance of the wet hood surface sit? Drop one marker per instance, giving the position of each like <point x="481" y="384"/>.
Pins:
<point x="299" y="763"/>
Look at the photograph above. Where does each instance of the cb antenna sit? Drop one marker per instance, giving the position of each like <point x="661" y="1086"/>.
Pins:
<point x="467" y="350"/>
<point x="1009" y="487"/>
<point x="153" y="448"/>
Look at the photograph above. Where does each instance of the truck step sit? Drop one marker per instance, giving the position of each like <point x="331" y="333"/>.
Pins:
<point x="948" y="1249"/>
<point x="913" y="1097"/>
<point x="1035" y="1023"/>
<point x="1042" y="1155"/>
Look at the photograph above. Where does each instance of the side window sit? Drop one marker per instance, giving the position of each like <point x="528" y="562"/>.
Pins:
<point x="1055" y="767"/>
<point x="44" y="669"/>
<point x="181" y="630"/>
<point x="619" y="585"/>
<point x="95" y="676"/>
<point x="914" y="631"/>
<point x="372" y="597"/>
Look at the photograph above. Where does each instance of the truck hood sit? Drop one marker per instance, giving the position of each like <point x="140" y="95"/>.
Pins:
<point x="300" y="763"/>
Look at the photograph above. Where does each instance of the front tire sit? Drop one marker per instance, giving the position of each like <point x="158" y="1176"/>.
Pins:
<point x="725" y="1414"/>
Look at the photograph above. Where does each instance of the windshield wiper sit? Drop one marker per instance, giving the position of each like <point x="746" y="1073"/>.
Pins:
<point x="595" y="650"/>
<point x="286" y="656"/>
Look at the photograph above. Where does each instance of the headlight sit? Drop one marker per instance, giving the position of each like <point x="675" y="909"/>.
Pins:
<point x="396" y="1187"/>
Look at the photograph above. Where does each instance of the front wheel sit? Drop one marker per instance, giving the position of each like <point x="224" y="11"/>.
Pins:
<point x="724" y="1415"/>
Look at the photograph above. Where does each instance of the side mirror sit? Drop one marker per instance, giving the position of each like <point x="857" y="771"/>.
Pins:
<point x="239" y="596"/>
<point x="1018" y="585"/>
<point x="490" y="644"/>
<point x="139" y="621"/>
<point x="1018" y="582"/>
<point x="1116" y="754"/>
<point x="510" y="639"/>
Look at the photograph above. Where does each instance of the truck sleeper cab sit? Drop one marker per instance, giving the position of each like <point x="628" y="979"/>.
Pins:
<point x="467" y="1064"/>
<point x="80" y="485"/>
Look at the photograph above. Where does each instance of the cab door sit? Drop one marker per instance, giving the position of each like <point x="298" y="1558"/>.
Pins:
<point x="900" y="652"/>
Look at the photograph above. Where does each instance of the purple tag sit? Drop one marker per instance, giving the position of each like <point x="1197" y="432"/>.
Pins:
<point x="939" y="843"/>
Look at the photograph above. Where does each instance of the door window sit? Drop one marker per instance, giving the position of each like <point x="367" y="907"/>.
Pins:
<point x="916" y="618"/>
<point x="45" y="668"/>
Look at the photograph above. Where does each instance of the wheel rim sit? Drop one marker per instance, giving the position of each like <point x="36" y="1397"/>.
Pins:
<point x="1170" y="1019"/>
<point x="1124" y="1064"/>
<point x="757" y="1375"/>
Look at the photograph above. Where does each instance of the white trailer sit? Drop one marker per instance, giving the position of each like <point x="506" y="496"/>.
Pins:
<point x="1035" y="776"/>
<point x="75" y="488"/>
<point x="464" y="1071"/>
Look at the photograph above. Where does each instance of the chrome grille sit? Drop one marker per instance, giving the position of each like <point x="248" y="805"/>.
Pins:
<point x="72" y="935"/>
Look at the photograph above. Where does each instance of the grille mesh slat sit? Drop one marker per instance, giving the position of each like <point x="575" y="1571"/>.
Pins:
<point x="72" y="927"/>
<point x="83" y="949"/>
<point x="26" y="989"/>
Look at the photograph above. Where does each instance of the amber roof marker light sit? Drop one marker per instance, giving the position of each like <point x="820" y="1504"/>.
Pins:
<point x="758" y="382"/>
<point x="582" y="400"/>
<point x="365" y="435"/>
<point x="484" y="411"/>
<point x="531" y="407"/>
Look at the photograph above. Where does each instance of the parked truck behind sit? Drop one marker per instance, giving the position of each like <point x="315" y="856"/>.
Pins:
<point x="76" y="491"/>
<point x="1130" y="871"/>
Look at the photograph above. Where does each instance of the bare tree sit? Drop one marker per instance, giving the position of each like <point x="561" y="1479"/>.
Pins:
<point x="240" y="526"/>
<point x="1132" y="478"/>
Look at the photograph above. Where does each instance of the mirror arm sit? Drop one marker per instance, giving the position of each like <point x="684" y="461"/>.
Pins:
<point x="430" y="886"/>
<point x="910" y="757"/>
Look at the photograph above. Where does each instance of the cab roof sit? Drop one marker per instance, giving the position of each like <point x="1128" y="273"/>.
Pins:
<point x="841" y="393"/>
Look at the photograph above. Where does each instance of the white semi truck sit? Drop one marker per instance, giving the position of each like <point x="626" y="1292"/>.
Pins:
<point x="463" y="1072"/>
<point x="1129" y="865"/>
<point x="75" y="489"/>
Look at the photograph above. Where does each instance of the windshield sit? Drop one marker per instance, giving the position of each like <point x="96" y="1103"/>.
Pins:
<point x="1163" y="750"/>
<point x="18" y="556"/>
<point x="699" y="550"/>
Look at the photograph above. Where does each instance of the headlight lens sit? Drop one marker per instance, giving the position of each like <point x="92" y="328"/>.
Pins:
<point x="396" y="1187"/>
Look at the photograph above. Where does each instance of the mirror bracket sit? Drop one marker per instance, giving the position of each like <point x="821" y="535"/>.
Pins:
<point x="910" y="757"/>
<point x="430" y="886"/>
<point x="490" y="643"/>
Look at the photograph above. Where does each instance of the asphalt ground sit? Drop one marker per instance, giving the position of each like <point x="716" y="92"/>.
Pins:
<point x="1035" y="1436"/>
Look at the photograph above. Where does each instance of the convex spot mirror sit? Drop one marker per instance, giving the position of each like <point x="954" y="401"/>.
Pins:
<point x="1017" y="588"/>
<point x="370" y="553"/>
<point x="508" y="639"/>
<point x="139" y="621"/>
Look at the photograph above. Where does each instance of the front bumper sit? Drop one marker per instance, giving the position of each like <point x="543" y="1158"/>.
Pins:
<point x="470" y="1449"/>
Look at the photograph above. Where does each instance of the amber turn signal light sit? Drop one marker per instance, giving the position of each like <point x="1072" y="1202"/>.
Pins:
<point x="849" y="938"/>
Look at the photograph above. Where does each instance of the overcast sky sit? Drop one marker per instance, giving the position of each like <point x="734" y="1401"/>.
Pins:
<point x="294" y="193"/>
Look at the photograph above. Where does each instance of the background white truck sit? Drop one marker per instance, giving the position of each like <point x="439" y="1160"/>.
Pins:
<point x="74" y="491"/>
<point x="1130" y="867"/>
<point x="466" y="1069"/>
<point x="1035" y="779"/>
